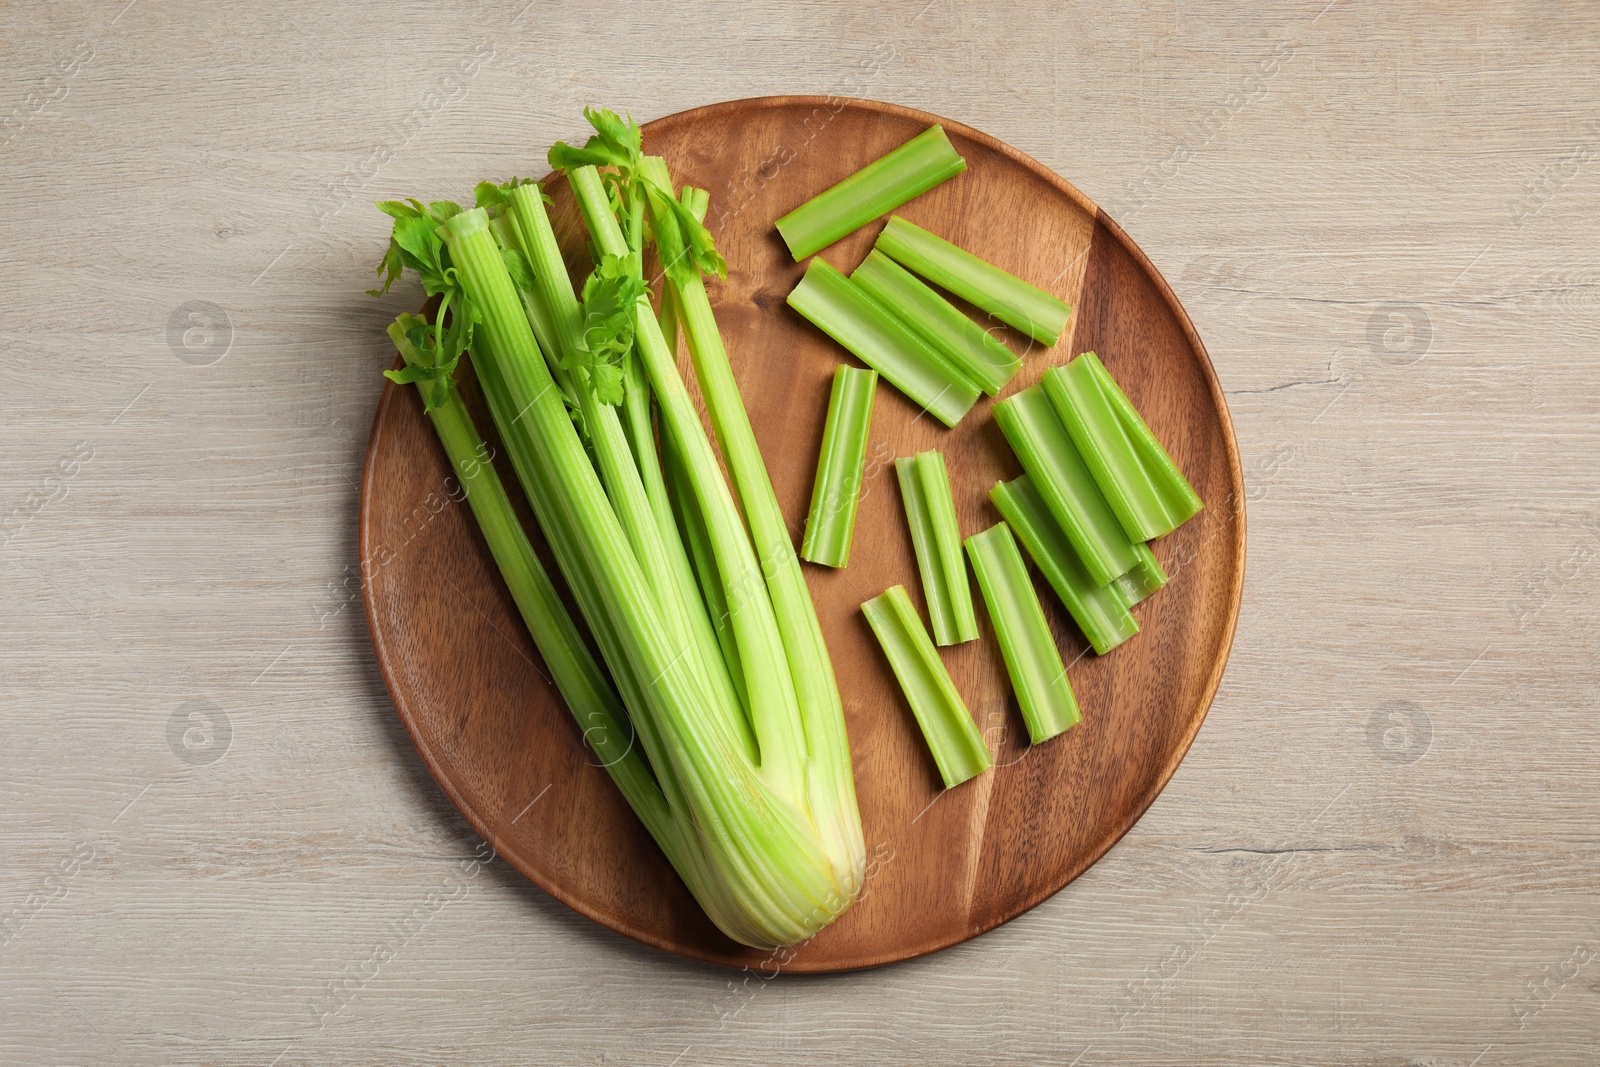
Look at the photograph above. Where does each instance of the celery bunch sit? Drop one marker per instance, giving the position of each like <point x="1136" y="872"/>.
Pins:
<point x="710" y="653"/>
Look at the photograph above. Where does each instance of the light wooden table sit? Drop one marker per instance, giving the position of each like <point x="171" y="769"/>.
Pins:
<point x="1384" y="848"/>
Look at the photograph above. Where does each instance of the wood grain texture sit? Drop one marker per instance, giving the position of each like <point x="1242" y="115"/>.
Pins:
<point x="1423" y="529"/>
<point x="944" y="866"/>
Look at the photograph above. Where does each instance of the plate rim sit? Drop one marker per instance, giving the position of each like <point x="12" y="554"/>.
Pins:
<point x="366" y="524"/>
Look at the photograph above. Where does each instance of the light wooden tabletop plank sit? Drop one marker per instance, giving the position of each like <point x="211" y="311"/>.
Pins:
<point x="1382" y="848"/>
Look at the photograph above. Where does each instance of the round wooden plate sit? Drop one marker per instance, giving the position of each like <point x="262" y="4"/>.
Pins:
<point x="943" y="866"/>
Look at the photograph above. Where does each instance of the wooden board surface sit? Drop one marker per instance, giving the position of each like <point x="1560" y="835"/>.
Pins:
<point x="1380" y="849"/>
<point x="944" y="866"/>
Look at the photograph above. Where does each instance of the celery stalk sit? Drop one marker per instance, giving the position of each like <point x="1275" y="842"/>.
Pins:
<point x="844" y="311"/>
<point x="830" y="783"/>
<point x="769" y="686"/>
<point x="876" y="189"/>
<point x="1026" y="644"/>
<point x="765" y="835"/>
<point x="958" y="749"/>
<point x="936" y="539"/>
<point x="832" y="518"/>
<point x="1047" y="453"/>
<point x="588" y="692"/>
<point x="1150" y="497"/>
<point x="1101" y="611"/>
<point x="697" y="540"/>
<point x="1005" y="296"/>
<point x="697" y="201"/>
<point x="762" y="852"/>
<point x="980" y="358"/>
<point x="625" y="467"/>
<point x="680" y="842"/>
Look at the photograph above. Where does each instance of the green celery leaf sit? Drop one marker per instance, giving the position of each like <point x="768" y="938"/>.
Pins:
<point x="606" y="380"/>
<point x="610" y="295"/>
<point x="440" y="210"/>
<point x="430" y="354"/>
<point x="623" y="134"/>
<point x="389" y="266"/>
<point x="617" y="143"/>
<point x="489" y="195"/>
<point x="422" y="249"/>
<point x="565" y="157"/>
<point x="518" y="267"/>
<point x="684" y="246"/>
<point x="397" y="209"/>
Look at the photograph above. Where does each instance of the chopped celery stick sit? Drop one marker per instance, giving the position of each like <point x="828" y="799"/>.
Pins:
<point x="936" y="537"/>
<point x="1145" y="577"/>
<point x="1026" y="644"/>
<point x="1150" y="497"/>
<point x="844" y="311"/>
<point x="1101" y="611"/>
<point x="1047" y="453"/>
<point x="832" y="520"/>
<point x="876" y="189"/>
<point x="1005" y="296"/>
<point x="970" y="349"/>
<point x="1155" y="458"/>
<point x="958" y="749"/>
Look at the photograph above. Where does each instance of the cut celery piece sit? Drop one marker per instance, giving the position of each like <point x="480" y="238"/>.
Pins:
<point x="936" y="537"/>
<point x="958" y="749"/>
<point x="974" y="352"/>
<point x="1155" y="458"/>
<point x="1150" y="496"/>
<point x="1101" y="611"/>
<point x="1026" y="644"/>
<point x="876" y="189"/>
<point x="1144" y="578"/>
<point x="1005" y="296"/>
<point x="832" y="519"/>
<point x="845" y="312"/>
<point x="1047" y="453"/>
